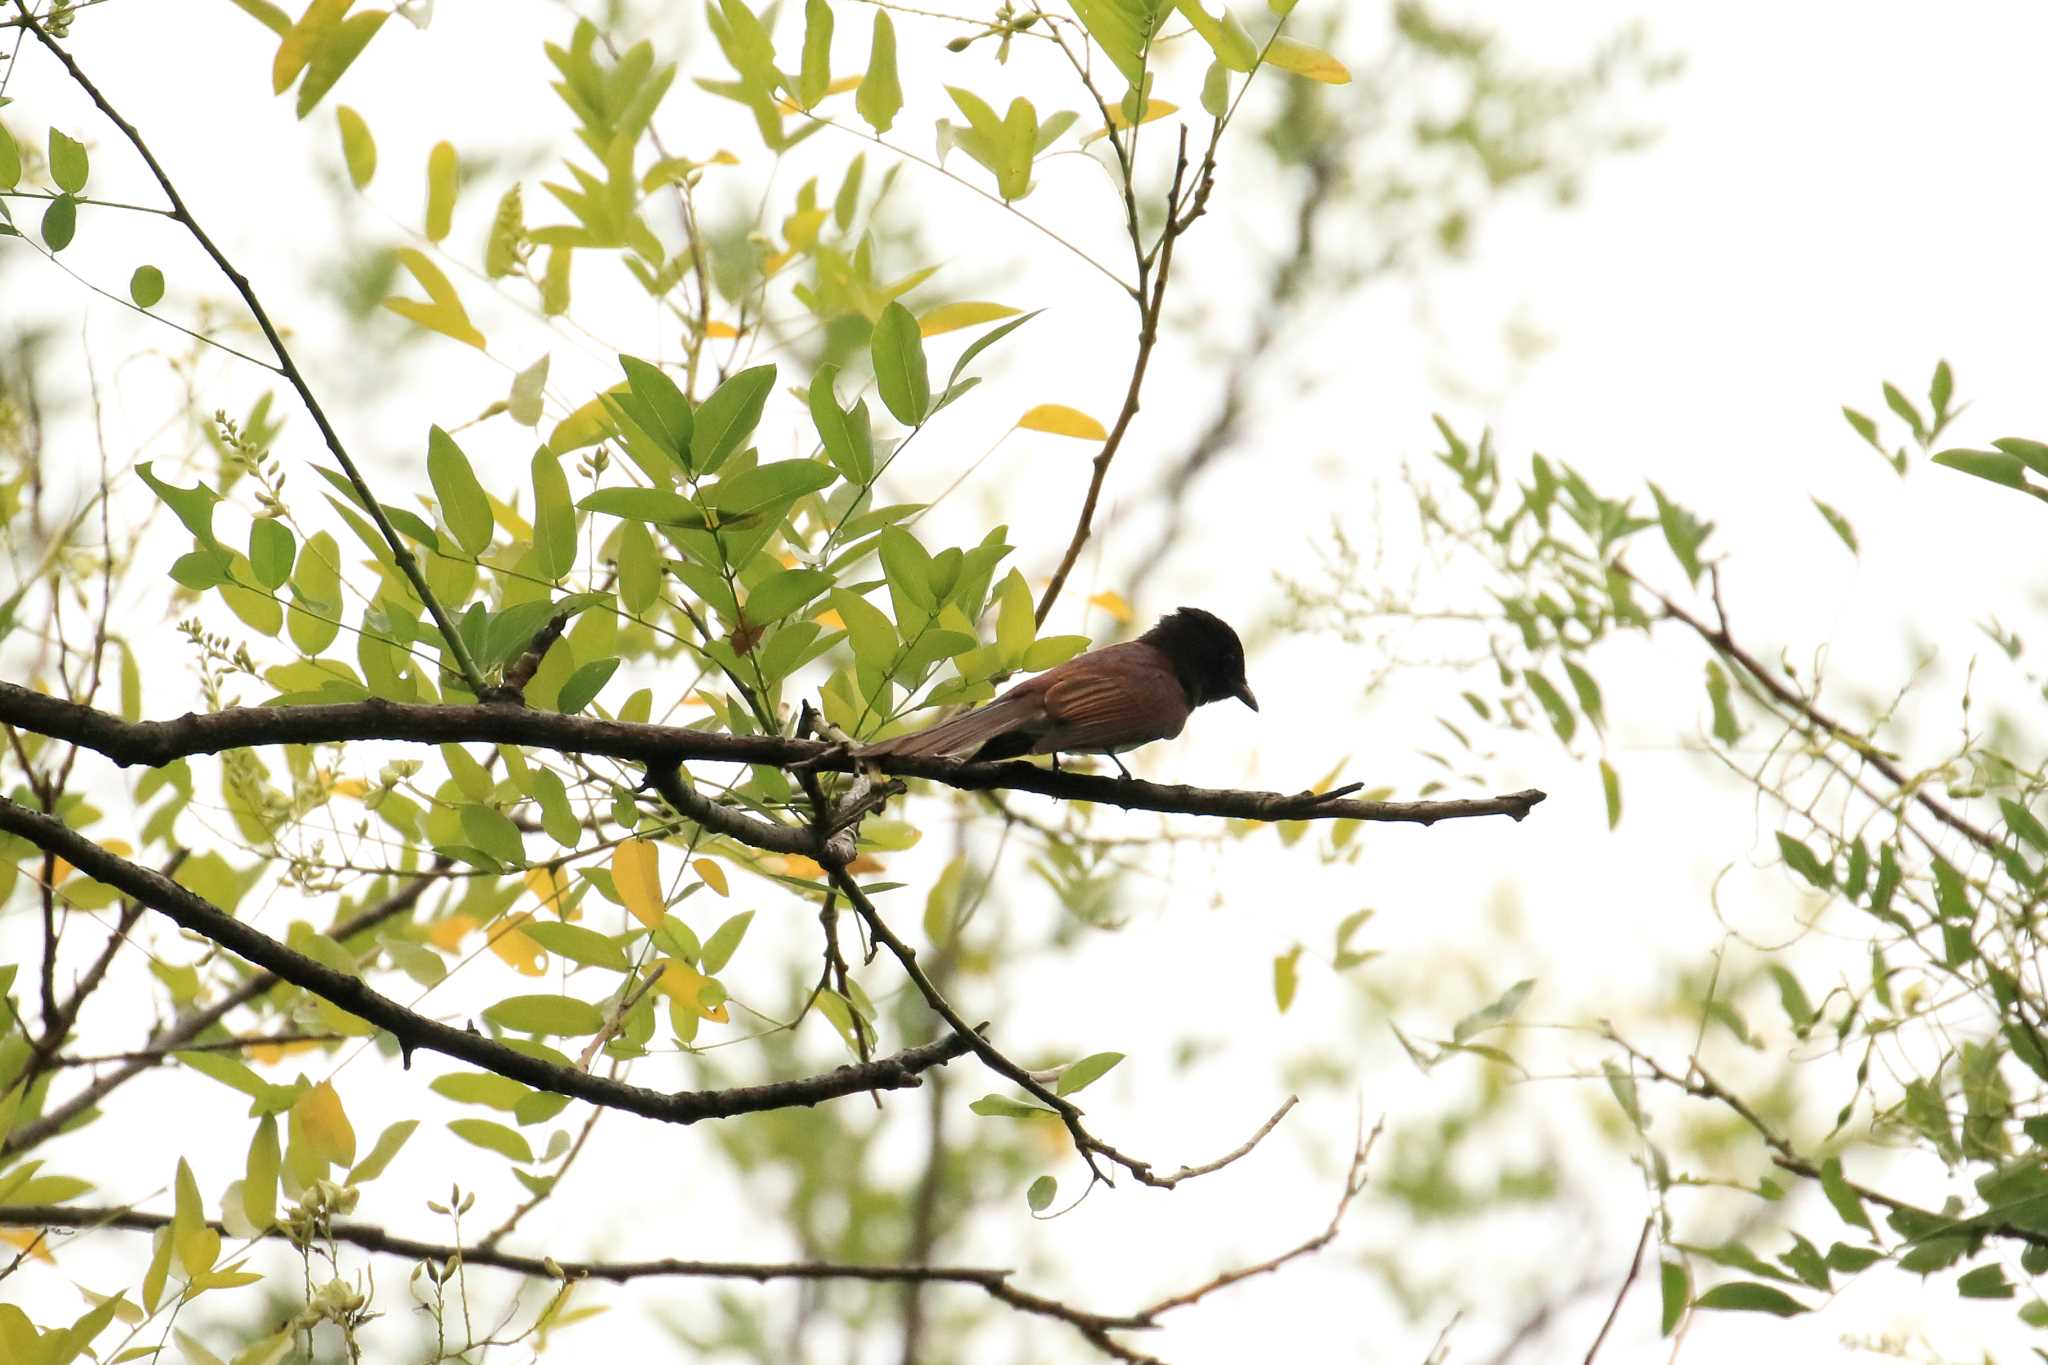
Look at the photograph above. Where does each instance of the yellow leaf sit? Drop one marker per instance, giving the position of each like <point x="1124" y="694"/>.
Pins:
<point x="30" y="1240"/>
<point x="772" y="263"/>
<point x="269" y="1054"/>
<point x="1114" y="604"/>
<point x="830" y="620"/>
<point x="793" y="865"/>
<point x="586" y="426"/>
<point x="548" y="885"/>
<point x="713" y="875"/>
<point x="1153" y="109"/>
<point x="442" y="174"/>
<point x="320" y="1122"/>
<point x="351" y="786"/>
<point x="720" y="330"/>
<point x="896" y="289"/>
<point x="447" y="934"/>
<point x="800" y="230"/>
<point x="949" y="317"/>
<point x="688" y="987"/>
<point x="636" y="872"/>
<point x="443" y="312"/>
<point x="1061" y="420"/>
<point x="1303" y="60"/>
<point x="301" y="38"/>
<point x="510" y="942"/>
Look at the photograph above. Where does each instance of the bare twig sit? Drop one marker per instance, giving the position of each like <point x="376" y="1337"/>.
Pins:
<point x="1635" y="1265"/>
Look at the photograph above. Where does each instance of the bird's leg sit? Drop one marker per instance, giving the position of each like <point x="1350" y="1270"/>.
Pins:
<point x="1121" y="769"/>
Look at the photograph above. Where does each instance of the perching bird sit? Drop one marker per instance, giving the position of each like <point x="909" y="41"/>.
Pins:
<point x="1107" y="701"/>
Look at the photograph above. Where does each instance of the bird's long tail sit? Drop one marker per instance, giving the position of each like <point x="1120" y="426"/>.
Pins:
<point x="964" y="735"/>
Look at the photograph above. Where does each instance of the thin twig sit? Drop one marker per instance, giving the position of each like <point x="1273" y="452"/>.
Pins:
<point x="1635" y="1264"/>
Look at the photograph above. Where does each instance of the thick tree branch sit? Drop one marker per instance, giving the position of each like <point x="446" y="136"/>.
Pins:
<point x="416" y="1032"/>
<point x="189" y="1026"/>
<point x="992" y="1281"/>
<point x="158" y="742"/>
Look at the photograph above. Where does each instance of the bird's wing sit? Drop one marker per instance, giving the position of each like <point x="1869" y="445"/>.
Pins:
<point x="1102" y="711"/>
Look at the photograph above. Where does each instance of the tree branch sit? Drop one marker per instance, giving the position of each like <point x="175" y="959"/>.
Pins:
<point x="370" y="1237"/>
<point x="155" y="743"/>
<point x="415" y="1032"/>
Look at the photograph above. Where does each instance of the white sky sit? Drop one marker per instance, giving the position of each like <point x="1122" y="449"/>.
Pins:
<point x="1842" y="194"/>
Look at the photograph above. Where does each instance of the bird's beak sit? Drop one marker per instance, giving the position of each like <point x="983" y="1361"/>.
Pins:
<point x="1244" y="694"/>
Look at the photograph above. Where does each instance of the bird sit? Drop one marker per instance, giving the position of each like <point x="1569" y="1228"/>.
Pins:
<point x="1107" y="701"/>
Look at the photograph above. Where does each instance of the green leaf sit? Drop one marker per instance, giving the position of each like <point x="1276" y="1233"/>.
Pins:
<point x="1216" y="90"/>
<point x="266" y="14"/>
<point x="1683" y="531"/>
<point x="767" y="485"/>
<point x="481" y="1087"/>
<point x="1985" y="1282"/>
<point x="1801" y="859"/>
<point x="492" y="1137"/>
<point x="1675" y="1285"/>
<point x="554" y="520"/>
<point x="1725" y="729"/>
<point x="1286" y="978"/>
<point x="271" y="551"/>
<point x="192" y="506"/>
<point x="1493" y="1015"/>
<point x="898" y="352"/>
<point x="1610" y="787"/>
<point x="1749" y="1297"/>
<point x="674" y="424"/>
<point x="782" y="593"/>
<point x="729" y="416"/>
<point x="1039" y="1197"/>
<point x="358" y="148"/>
<point x="1900" y="404"/>
<point x="1001" y="1107"/>
<point x="1124" y="29"/>
<point x="60" y="222"/>
<point x="493" y="832"/>
<point x="983" y="342"/>
<point x="2032" y="454"/>
<point x="464" y="505"/>
<point x="1839" y="524"/>
<point x="879" y="96"/>
<point x="1995" y="465"/>
<point x="724" y="942"/>
<point x="1086" y="1072"/>
<point x="1792" y="998"/>
<point x="337" y="50"/>
<point x="386" y="1147"/>
<point x="316" y="595"/>
<point x="443" y="172"/>
<point x="69" y="164"/>
<point x="1847" y="1203"/>
<point x="584" y="684"/>
<point x="10" y="160"/>
<point x="259" y="1174"/>
<point x="545" y="1014"/>
<point x="1016" y="621"/>
<point x="1951" y="896"/>
<point x="577" y="943"/>
<point x="146" y="286"/>
<point x="1225" y="37"/>
<point x="639" y="568"/>
<point x="2021" y="821"/>
<point x="850" y="453"/>
<point x="816" y="71"/>
<point x="1560" y="715"/>
<point x="658" y="506"/>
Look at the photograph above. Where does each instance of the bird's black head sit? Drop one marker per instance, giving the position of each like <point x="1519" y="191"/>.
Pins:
<point x="1207" y="656"/>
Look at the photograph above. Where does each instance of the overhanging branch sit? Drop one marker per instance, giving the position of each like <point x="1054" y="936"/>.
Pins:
<point x="156" y="742"/>
<point x="415" y="1032"/>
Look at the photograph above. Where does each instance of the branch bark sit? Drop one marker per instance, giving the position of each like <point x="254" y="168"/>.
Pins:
<point x="415" y="1032"/>
<point x="155" y="743"/>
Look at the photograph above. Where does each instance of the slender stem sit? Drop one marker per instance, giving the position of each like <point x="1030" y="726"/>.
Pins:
<point x="407" y="563"/>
